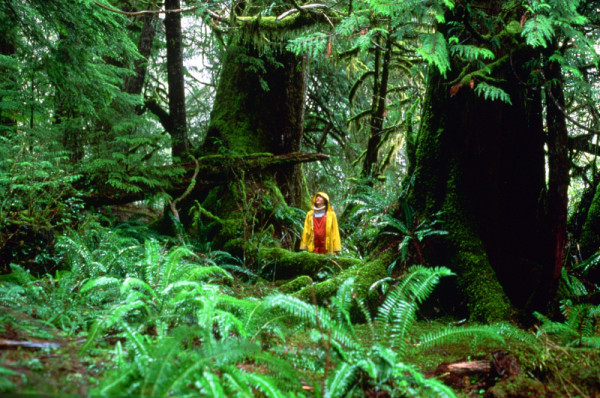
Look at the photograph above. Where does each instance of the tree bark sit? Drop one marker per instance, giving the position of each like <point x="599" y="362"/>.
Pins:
<point x="65" y="116"/>
<point x="7" y="48"/>
<point x="558" y="167"/>
<point x="380" y="87"/>
<point x="134" y="84"/>
<point x="175" y="78"/>
<point x="258" y="112"/>
<point x="481" y="163"/>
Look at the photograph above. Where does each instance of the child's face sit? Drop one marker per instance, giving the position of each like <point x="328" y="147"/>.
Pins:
<point x="319" y="201"/>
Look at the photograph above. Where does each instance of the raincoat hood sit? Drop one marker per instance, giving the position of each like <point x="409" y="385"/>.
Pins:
<point x="324" y="196"/>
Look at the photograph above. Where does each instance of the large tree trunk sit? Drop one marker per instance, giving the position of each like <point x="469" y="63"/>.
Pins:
<point x="256" y="112"/>
<point x="481" y="163"/>
<point x="261" y="112"/>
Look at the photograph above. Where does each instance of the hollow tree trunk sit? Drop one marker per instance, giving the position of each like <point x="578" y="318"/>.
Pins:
<point x="481" y="163"/>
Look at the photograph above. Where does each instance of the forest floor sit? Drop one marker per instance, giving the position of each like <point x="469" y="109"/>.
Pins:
<point x="37" y="358"/>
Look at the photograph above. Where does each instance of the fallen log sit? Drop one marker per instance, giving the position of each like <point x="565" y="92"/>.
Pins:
<point x="465" y="368"/>
<point x="32" y="345"/>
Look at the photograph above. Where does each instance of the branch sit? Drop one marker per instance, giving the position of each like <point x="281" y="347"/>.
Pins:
<point x="156" y="109"/>
<point x="300" y="9"/>
<point x="136" y="13"/>
<point x="211" y="170"/>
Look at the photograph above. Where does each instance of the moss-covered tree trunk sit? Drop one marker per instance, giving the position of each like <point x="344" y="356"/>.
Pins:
<point x="481" y="163"/>
<point x="258" y="109"/>
<point x="590" y="236"/>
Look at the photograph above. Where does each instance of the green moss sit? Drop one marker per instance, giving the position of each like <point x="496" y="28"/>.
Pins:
<point x="514" y="28"/>
<point x="286" y="264"/>
<point x="590" y="237"/>
<point x="486" y="300"/>
<point x="517" y="387"/>
<point x="365" y="275"/>
<point x="296" y="284"/>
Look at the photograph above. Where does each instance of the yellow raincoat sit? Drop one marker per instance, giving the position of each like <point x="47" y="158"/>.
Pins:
<point x="332" y="232"/>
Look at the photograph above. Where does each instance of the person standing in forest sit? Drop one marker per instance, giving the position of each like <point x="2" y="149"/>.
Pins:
<point x="321" y="234"/>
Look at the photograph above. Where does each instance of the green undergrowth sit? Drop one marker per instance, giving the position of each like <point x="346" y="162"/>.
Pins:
<point x="148" y="317"/>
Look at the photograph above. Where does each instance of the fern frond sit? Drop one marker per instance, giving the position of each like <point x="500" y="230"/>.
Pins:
<point x="434" y="51"/>
<point x="265" y="385"/>
<point x="236" y="381"/>
<point x="414" y="383"/>
<point x="212" y="385"/>
<point x="161" y="364"/>
<point x="492" y="92"/>
<point x="342" y="303"/>
<point x="131" y="283"/>
<point x="471" y="53"/>
<point x="340" y="380"/>
<point x="538" y="31"/>
<point x="453" y="334"/>
<point x="403" y="318"/>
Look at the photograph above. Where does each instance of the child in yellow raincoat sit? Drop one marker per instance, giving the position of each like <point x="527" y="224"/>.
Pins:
<point x="321" y="233"/>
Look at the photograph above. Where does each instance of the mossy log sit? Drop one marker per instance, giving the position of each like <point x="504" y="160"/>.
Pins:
<point x="212" y="169"/>
<point x="365" y="274"/>
<point x="286" y="264"/>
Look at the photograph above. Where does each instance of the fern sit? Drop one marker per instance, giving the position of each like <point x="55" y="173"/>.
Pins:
<point x="580" y="328"/>
<point x="341" y="381"/>
<point x="471" y="53"/>
<point x="492" y="92"/>
<point x="435" y="52"/>
<point x="538" y="31"/>
<point x="453" y="334"/>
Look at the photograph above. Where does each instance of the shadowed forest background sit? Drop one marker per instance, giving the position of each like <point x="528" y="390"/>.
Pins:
<point x="157" y="160"/>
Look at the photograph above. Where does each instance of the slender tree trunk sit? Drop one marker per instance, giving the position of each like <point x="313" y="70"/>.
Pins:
<point x="65" y="116"/>
<point x="559" y="166"/>
<point x="7" y="48"/>
<point x="135" y="84"/>
<point x="380" y="87"/>
<point x="175" y="77"/>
